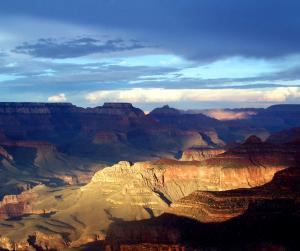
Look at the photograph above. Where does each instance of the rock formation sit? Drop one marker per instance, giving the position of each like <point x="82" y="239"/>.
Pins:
<point x="214" y="219"/>
<point x="280" y="195"/>
<point x="200" y="154"/>
<point x="144" y="190"/>
<point x="16" y="205"/>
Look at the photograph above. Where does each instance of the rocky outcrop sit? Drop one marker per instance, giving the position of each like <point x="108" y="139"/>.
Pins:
<point x="16" y="205"/>
<point x="165" y="110"/>
<point x="124" y="109"/>
<point x="36" y="241"/>
<point x="200" y="154"/>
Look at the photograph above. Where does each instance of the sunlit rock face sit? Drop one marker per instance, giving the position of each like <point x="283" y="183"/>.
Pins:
<point x="252" y="164"/>
<point x="127" y="185"/>
<point x="280" y="195"/>
<point x="174" y="179"/>
<point x="200" y="154"/>
<point x="15" y="205"/>
<point x="212" y="219"/>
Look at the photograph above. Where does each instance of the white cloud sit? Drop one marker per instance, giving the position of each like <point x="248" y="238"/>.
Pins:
<point x="281" y="94"/>
<point x="160" y="95"/>
<point x="61" y="97"/>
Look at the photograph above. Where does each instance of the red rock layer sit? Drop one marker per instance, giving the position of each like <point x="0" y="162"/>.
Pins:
<point x="16" y="205"/>
<point x="277" y="196"/>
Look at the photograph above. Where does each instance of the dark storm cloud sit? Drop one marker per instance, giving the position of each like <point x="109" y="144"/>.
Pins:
<point x="200" y="30"/>
<point x="52" y="48"/>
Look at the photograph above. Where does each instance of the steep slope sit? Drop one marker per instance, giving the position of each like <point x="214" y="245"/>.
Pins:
<point x="24" y="164"/>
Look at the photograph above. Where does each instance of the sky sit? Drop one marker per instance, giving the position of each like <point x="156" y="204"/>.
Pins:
<point x="190" y="54"/>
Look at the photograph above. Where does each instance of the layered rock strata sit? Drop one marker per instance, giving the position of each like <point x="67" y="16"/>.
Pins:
<point x="144" y="190"/>
<point x="213" y="220"/>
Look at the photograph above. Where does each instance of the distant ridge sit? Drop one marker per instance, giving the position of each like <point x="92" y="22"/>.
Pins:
<point x="65" y="107"/>
<point x="36" y="104"/>
<point x="285" y="107"/>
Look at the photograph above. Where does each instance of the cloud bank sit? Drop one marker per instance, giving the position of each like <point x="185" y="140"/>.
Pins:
<point x="159" y="95"/>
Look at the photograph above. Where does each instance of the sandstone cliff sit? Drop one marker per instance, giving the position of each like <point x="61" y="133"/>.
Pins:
<point x="213" y="220"/>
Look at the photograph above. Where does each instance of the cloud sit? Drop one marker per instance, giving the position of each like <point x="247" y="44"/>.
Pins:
<point x="281" y="94"/>
<point x="159" y="95"/>
<point x="93" y="50"/>
<point x="77" y="47"/>
<point x="61" y="97"/>
<point x="210" y="29"/>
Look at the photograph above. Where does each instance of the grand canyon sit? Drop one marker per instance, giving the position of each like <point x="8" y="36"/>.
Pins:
<point x="114" y="178"/>
<point x="149" y="125"/>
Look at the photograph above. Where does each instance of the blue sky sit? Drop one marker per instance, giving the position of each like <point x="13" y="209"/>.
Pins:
<point x="189" y="54"/>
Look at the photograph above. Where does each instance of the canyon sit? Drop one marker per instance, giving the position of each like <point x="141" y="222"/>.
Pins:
<point x="117" y="178"/>
<point x="128" y="192"/>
